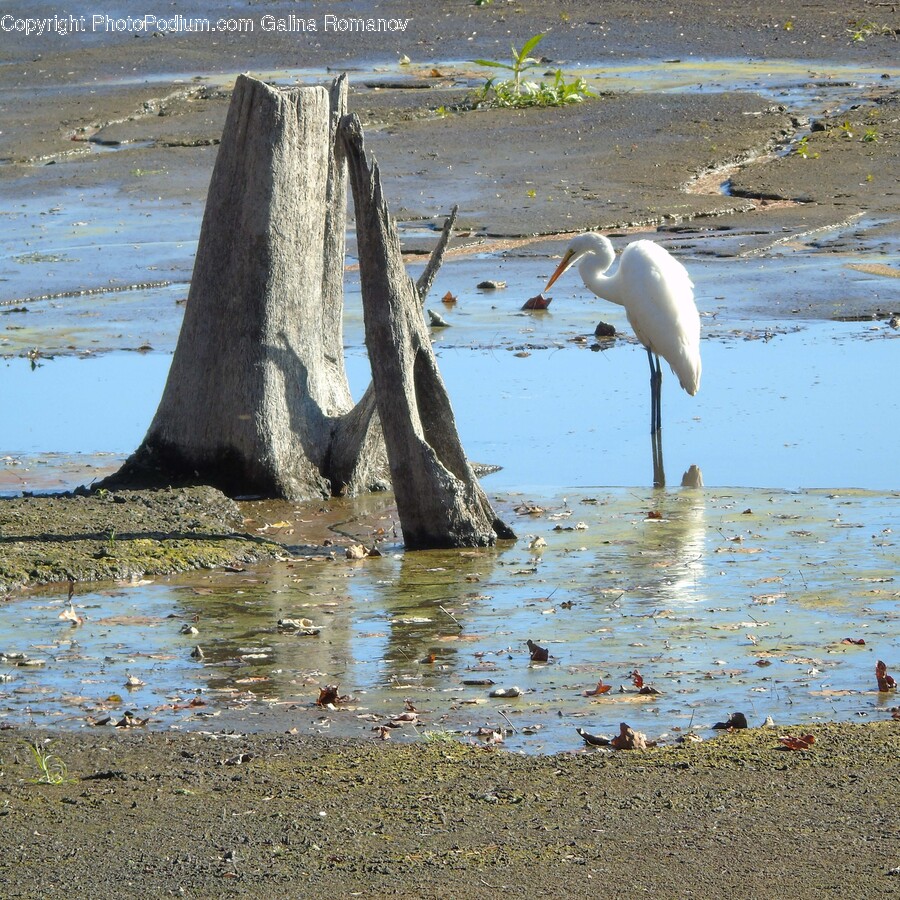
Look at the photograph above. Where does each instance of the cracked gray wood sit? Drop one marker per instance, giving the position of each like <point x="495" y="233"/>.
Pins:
<point x="439" y="499"/>
<point x="257" y="400"/>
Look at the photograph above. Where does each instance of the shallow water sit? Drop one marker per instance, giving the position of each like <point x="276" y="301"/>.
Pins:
<point x="735" y="596"/>
<point x="794" y="407"/>
<point x="725" y="600"/>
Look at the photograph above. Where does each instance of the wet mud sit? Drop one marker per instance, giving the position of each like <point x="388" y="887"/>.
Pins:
<point x="242" y="815"/>
<point x="109" y="535"/>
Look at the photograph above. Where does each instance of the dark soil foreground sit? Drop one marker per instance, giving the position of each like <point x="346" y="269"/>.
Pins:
<point x="245" y="815"/>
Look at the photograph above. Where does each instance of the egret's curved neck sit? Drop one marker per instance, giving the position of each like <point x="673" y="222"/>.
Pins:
<point x="592" y="270"/>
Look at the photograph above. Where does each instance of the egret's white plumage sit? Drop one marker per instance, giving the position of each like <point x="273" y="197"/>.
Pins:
<point x="658" y="297"/>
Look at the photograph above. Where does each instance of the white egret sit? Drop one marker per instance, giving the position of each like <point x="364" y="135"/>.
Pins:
<point x="658" y="297"/>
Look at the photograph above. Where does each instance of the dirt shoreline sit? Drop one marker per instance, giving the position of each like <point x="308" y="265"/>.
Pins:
<point x="275" y="815"/>
<point x="205" y="815"/>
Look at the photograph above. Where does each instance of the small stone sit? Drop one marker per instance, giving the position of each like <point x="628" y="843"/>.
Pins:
<point x="513" y="691"/>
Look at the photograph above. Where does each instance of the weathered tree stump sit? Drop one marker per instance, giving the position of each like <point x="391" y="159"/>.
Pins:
<point x="257" y="399"/>
<point x="439" y="500"/>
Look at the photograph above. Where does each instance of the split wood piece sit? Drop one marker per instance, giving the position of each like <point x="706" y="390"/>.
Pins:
<point x="257" y="400"/>
<point x="439" y="500"/>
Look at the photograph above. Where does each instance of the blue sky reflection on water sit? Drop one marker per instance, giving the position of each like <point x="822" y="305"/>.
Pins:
<point x="810" y="408"/>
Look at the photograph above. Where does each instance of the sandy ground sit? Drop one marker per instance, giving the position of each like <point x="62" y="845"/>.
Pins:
<point x="273" y="816"/>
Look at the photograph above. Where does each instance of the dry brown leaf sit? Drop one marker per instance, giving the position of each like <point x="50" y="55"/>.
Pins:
<point x="330" y="695"/>
<point x="538" y="654"/>
<point x="885" y="682"/>
<point x="69" y="615"/>
<point x="600" y="689"/>
<point x="537" y="303"/>
<point x="794" y="742"/>
<point x="629" y="739"/>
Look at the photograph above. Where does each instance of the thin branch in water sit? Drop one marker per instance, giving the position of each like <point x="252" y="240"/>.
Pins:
<point x="450" y="614"/>
<point x="426" y="279"/>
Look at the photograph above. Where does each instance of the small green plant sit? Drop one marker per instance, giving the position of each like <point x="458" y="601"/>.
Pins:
<point x="870" y="135"/>
<point x="111" y="539"/>
<point x="517" y="93"/>
<point x="51" y="768"/>
<point x="803" y="150"/>
<point x="861" y="29"/>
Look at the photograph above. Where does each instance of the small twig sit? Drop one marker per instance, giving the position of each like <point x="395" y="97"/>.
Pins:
<point x="505" y="716"/>
<point x="450" y="614"/>
<point x="426" y="279"/>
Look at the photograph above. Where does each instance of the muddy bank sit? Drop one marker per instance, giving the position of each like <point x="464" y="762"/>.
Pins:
<point x="121" y="534"/>
<point x="220" y="815"/>
<point x="146" y="120"/>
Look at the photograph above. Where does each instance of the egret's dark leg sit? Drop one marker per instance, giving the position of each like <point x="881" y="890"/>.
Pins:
<point x="655" y="391"/>
<point x="659" y="471"/>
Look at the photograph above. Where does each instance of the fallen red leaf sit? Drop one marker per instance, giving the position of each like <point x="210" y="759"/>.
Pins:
<point x="600" y="689"/>
<point x="539" y="302"/>
<point x="858" y="641"/>
<point x="637" y="679"/>
<point x="885" y="682"/>
<point x="794" y="742"/>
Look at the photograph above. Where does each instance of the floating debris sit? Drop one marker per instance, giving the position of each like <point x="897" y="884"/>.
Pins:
<point x="736" y="720"/>
<point x="299" y="627"/>
<point x="593" y="740"/>
<point x="538" y="303"/>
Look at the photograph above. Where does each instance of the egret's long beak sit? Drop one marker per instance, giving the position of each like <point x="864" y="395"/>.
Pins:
<point x="567" y="261"/>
